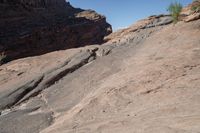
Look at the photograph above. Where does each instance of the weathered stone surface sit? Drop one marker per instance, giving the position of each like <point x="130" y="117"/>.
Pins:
<point x="22" y="121"/>
<point x="149" y="87"/>
<point x="30" y="28"/>
<point x="9" y="99"/>
<point x="153" y="77"/>
<point x="192" y="17"/>
<point x="189" y="14"/>
<point x="32" y="87"/>
<point x="125" y="34"/>
<point x="159" y="21"/>
<point x="147" y="81"/>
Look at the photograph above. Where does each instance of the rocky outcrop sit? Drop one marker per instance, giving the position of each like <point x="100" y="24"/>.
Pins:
<point x="123" y="35"/>
<point x="192" y="17"/>
<point x="108" y="88"/>
<point x="191" y="12"/>
<point x="144" y="79"/>
<point x="128" y="34"/>
<point x="37" y="3"/>
<point x="36" y="27"/>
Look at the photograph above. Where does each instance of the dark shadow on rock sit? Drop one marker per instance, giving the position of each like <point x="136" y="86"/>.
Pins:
<point x="28" y="31"/>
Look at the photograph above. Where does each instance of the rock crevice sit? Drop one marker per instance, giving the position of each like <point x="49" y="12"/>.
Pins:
<point x="35" y="86"/>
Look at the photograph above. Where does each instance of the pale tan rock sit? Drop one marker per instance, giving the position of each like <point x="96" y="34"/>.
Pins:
<point x="149" y="85"/>
<point x="147" y="82"/>
<point x="192" y="17"/>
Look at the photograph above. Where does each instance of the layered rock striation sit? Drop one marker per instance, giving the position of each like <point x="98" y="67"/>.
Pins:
<point x="34" y="27"/>
<point x="37" y="3"/>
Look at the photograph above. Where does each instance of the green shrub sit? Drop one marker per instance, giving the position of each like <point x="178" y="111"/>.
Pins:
<point x="175" y="10"/>
<point x="2" y="58"/>
<point x="196" y="8"/>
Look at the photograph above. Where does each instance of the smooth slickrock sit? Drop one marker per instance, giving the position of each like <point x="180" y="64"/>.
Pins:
<point x="145" y="79"/>
<point x="152" y="86"/>
<point x="144" y="84"/>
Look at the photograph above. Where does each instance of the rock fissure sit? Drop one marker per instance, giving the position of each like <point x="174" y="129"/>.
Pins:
<point x="34" y="87"/>
<point x="11" y="99"/>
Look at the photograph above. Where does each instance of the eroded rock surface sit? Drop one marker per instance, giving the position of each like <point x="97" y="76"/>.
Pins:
<point x="145" y="79"/>
<point x="143" y="84"/>
<point x="189" y="13"/>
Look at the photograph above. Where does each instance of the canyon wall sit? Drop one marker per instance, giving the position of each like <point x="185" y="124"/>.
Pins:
<point x="37" y="3"/>
<point x="35" y="27"/>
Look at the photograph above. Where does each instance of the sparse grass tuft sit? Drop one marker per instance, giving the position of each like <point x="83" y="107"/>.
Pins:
<point x="175" y="10"/>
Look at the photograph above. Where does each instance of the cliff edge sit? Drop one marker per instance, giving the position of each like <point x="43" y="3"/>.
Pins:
<point x="35" y="27"/>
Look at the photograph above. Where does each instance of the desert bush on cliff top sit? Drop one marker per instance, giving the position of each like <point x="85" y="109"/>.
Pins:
<point x="196" y="8"/>
<point x="175" y="10"/>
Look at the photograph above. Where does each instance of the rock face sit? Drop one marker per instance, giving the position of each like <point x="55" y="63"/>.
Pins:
<point x="34" y="27"/>
<point x="194" y="16"/>
<point x="148" y="83"/>
<point x="37" y="3"/>
<point x="189" y="13"/>
<point x="127" y="34"/>
<point x="145" y="79"/>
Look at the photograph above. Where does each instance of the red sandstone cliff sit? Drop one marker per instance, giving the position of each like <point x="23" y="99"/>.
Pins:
<point x="34" y="27"/>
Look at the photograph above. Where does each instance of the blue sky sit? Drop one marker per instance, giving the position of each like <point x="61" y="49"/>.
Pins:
<point x="122" y="13"/>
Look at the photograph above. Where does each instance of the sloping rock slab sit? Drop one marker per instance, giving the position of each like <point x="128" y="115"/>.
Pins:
<point x="192" y="17"/>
